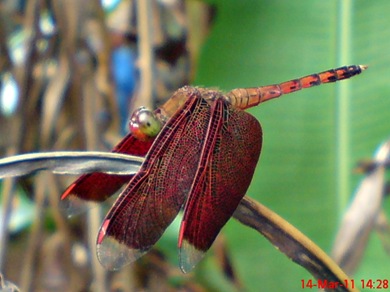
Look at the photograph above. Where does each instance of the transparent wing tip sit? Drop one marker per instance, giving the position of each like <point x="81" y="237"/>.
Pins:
<point x="114" y="255"/>
<point x="189" y="256"/>
<point x="73" y="206"/>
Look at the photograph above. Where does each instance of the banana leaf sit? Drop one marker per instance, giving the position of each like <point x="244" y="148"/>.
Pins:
<point x="313" y="138"/>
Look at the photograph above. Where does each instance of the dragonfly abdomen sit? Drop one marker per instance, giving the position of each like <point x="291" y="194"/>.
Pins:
<point x="244" y="98"/>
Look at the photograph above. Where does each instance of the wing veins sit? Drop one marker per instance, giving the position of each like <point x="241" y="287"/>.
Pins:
<point x="137" y="184"/>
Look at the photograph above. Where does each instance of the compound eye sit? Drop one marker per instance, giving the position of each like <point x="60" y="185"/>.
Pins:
<point x="144" y="125"/>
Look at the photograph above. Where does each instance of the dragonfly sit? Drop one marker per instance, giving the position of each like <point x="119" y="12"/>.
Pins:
<point x="201" y="149"/>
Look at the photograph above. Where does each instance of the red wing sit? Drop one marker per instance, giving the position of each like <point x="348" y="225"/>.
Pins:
<point x="157" y="192"/>
<point x="226" y="167"/>
<point x="99" y="186"/>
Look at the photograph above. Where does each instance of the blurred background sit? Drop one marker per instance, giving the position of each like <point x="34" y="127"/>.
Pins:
<point x="71" y="72"/>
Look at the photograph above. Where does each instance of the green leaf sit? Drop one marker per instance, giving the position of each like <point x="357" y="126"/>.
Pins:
<point x="313" y="138"/>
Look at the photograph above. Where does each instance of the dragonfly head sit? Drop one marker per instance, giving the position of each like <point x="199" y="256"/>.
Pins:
<point x="144" y="125"/>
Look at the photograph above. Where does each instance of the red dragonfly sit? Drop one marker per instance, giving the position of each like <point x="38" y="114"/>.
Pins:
<point x="201" y="151"/>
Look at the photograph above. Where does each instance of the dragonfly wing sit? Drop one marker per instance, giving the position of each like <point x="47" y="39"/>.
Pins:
<point x="157" y="192"/>
<point x="99" y="186"/>
<point x="227" y="164"/>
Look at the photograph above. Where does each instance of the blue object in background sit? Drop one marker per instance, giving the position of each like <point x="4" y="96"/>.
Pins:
<point x="125" y="78"/>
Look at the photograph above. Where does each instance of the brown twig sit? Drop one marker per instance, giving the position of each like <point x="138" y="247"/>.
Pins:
<point x="146" y="56"/>
<point x="291" y="242"/>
